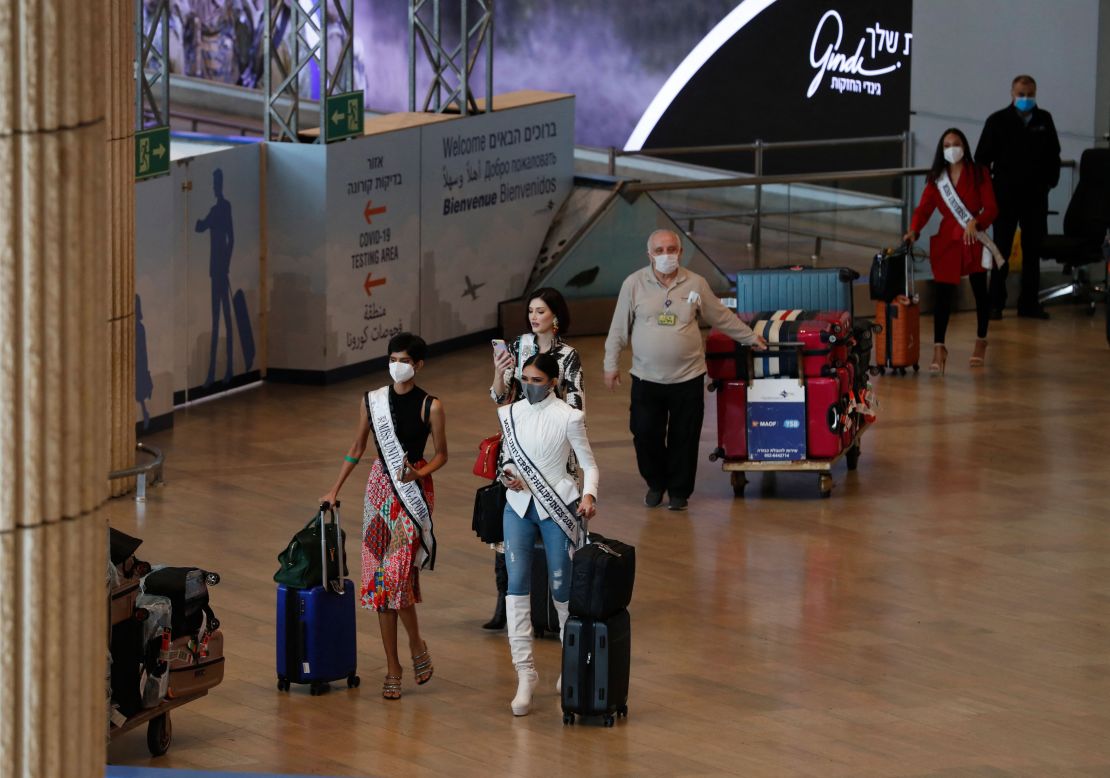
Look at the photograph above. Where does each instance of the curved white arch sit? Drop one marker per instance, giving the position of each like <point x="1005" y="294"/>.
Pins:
<point x="717" y="37"/>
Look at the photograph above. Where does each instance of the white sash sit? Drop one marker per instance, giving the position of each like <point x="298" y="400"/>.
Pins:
<point x="393" y="457"/>
<point x="963" y="216"/>
<point x="559" y="511"/>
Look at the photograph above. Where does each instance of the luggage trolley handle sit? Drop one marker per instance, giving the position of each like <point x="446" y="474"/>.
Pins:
<point x="911" y="284"/>
<point x="341" y="551"/>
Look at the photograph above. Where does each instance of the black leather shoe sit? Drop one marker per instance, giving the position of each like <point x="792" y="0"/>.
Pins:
<point x="996" y="314"/>
<point x="677" y="504"/>
<point x="1033" y="313"/>
<point x="653" y="498"/>
<point x="498" y="619"/>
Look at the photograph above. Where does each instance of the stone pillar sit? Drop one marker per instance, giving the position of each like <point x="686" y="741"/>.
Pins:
<point x="54" y="304"/>
<point x="120" y="227"/>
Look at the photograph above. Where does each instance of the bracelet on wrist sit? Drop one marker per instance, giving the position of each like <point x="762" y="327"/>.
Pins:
<point x="351" y="459"/>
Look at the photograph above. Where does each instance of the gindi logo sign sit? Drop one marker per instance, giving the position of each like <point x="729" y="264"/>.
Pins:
<point x="827" y="57"/>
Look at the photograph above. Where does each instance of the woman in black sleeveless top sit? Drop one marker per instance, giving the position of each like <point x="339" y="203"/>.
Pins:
<point x="393" y="544"/>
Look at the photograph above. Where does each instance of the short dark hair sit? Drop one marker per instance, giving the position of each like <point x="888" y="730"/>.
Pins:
<point x="413" y="345"/>
<point x="553" y="300"/>
<point x="1023" y="79"/>
<point x="545" y="363"/>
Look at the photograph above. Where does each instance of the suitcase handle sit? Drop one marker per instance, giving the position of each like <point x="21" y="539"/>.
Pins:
<point x="341" y="556"/>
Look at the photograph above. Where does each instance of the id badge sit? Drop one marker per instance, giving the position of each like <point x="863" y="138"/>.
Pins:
<point x="667" y="319"/>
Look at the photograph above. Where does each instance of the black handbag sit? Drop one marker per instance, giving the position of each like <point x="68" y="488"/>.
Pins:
<point x="489" y="511"/>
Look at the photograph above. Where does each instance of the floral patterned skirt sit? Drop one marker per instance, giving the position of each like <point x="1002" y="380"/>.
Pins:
<point x="390" y="541"/>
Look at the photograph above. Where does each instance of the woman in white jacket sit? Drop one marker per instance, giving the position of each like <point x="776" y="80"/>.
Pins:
<point x="540" y="431"/>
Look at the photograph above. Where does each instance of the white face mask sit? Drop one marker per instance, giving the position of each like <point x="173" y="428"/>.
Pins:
<point x="666" y="263"/>
<point x="401" y="371"/>
<point x="953" y="154"/>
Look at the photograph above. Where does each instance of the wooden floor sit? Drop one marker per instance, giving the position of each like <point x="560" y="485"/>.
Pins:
<point x="946" y="612"/>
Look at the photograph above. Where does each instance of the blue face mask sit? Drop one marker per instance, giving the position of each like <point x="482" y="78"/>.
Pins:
<point x="1025" y="104"/>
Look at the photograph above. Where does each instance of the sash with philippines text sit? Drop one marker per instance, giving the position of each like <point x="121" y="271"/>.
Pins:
<point x="963" y="216"/>
<point x="561" y="513"/>
<point x="392" y="455"/>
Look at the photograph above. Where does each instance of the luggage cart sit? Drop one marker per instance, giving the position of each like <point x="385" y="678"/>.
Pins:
<point x="738" y="468"/>
<point x="159" y="730"/>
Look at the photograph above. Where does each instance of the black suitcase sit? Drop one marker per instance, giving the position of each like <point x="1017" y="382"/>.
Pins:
<point x="597" y="656"/>
<point x="545" y="619"/>
<point x="187" y="588"/>
<point x="601" y="578"/>
<point x="888" y="272"/>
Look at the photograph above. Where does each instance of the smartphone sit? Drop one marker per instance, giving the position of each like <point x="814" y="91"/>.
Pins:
<point x="499" y="345"/>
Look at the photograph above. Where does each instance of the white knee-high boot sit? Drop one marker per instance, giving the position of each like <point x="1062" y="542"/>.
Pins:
<point x="563" y="609"/>
<point x="518" y="614"/>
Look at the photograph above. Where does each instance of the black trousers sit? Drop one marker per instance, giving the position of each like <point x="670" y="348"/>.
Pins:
<point x="1031" y="214"/>
<point x="665" y="421"/>
<point x="944" y="298"/>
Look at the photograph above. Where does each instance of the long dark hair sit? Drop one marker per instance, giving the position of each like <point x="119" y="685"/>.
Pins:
<point x="939" y="162"/>
<point x="555" y="302"/>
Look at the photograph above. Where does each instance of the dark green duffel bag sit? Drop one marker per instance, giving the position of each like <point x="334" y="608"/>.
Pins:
<point x="302" y="561"/>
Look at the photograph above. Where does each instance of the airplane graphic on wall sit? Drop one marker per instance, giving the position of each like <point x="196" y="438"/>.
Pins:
<point x="471" y="289"/>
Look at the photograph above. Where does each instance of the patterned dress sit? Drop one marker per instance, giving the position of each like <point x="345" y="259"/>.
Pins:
<point x="569" y="387"/>
<point x="390" y="537"/>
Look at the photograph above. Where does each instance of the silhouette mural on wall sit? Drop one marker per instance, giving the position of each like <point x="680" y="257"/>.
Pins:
<point x="218" y="224"/>
<point x="144" y="384"/>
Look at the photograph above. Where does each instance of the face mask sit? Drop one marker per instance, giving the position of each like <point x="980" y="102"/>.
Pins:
<point x="401" y="371"/>
<point x="1024" y="104"/>
<point x="536" y="392"/>
<point x="666" y="263"/>
<point x="953" y="154"/>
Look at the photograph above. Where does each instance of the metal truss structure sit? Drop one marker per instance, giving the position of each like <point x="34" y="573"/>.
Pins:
<point x="312" y="27"/>
<point x="152" y="52"/>
<point x="452" y="66"/>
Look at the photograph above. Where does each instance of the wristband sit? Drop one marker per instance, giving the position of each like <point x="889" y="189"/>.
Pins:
<point x="350" y="459"/>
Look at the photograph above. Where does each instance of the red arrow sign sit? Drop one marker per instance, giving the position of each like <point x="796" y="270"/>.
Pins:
<point x="371" y="282"/>
<point x="368" y="211"/>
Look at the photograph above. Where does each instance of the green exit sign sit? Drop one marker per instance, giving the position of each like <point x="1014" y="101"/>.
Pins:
<point x="344" y="119"/>
<point x="152" y="152"/>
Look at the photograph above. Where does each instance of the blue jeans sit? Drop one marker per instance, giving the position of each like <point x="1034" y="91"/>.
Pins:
<point x="520" y="539"/>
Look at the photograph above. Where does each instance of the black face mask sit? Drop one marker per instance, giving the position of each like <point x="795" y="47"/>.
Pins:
<point x="536" y="392"/>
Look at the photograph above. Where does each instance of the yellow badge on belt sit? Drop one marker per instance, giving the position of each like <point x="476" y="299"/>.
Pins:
<point x="667" y="319"/>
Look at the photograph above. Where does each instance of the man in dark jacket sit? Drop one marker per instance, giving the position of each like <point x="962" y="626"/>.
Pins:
<point x="1020" y="146"/>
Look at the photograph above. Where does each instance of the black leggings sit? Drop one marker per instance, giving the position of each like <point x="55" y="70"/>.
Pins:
<point x="945" y="294"/>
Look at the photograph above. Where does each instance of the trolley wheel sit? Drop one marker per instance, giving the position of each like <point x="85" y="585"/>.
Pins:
<point x="609" y="720"/>
<point x="283" y="683"/>
<point x="713" y="455"/>
<point x="159" y="734"/>
<point x="622" y="712"/>
<point x="353" y="681"/>
<point x="916" y="368"/>
<point x="852" y="457"/>
<point x="825" y="484"/>
<point x="568" y="719"/>
<point x="739" y="481"/>
<point x="211" y="578"/>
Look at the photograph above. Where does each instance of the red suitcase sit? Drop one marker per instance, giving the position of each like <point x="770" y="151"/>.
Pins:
<point x="732" y="421"/>
<point x="828" y="427"/>
<point x="725" y="359"/>
<point x="822" y="351"/>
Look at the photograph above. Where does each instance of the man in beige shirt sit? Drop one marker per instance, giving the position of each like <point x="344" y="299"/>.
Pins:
<point x="658" y="311"/>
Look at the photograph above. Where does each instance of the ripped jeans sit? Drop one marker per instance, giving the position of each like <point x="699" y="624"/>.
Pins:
<point x="520" y="540"/>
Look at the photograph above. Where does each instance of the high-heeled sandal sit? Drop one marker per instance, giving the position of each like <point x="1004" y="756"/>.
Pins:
<point x="979" y="356"/>
<point x="422" y="667"/>
<point x="391" y="687"/>
<point x="938" y="364"/>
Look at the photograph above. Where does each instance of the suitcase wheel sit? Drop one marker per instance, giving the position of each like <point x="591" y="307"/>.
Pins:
<point x="316" y="689"/>
<point x="283" y="683"/>
<point x="353" y="681"/>
<point x="609" y="720"/>
<point x="568" y="718"/>
<point x="622" y="712"/>
<point x="159" y="734"/>
<point x="916" y="368"/>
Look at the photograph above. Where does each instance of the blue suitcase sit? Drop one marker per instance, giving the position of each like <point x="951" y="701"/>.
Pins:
<point x="817" y="289"/>
<point x="316" y="640"/>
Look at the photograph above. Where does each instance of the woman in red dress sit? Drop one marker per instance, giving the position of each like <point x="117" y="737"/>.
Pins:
<point x="955" y="250"/>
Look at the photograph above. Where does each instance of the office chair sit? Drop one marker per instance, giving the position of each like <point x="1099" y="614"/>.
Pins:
<point x="1085" y="224"/>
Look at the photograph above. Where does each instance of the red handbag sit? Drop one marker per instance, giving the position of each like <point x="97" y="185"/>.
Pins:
<point x="485" y="466"/>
